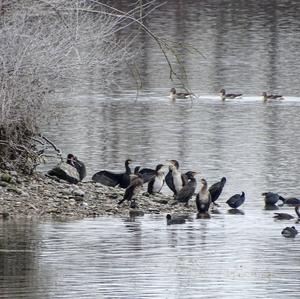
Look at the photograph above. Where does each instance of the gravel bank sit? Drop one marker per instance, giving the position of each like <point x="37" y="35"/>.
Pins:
<point x="39" y="196"/>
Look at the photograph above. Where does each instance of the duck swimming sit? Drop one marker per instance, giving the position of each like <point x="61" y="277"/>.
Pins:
<point x="178" y="95"/>
<point x="174" y="220"/>
<point x="289" y="232"/>
<point x="225" y="95"/>
<point x="267" y="97"/>
<point x="109" y="178"/>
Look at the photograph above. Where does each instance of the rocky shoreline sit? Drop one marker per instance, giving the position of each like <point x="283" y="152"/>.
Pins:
<point x="40" y="196"/>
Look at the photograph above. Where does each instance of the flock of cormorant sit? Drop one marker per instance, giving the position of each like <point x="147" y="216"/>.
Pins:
<point x="183" y="186"/>
<point x="185" y="95"/>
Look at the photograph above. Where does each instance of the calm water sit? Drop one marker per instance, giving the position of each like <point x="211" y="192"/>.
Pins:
<point x="249" y="47"/>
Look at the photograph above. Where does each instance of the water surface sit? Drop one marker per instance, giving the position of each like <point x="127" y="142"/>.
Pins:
<point x="249" y="47"/>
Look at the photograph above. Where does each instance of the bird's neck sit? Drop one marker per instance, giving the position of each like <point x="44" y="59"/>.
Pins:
<point x="204" y="188"/>
<point x="128" y="170"/>
<point x="297" y="211"/>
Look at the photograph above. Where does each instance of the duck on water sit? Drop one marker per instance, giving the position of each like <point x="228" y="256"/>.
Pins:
<point x="225" y="95"/>
<point x="179" y="95"/>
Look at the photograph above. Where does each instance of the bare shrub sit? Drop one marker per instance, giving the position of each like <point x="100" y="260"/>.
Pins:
<point x="42" y="44"/>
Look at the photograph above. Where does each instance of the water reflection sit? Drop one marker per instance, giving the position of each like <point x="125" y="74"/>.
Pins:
<point x="226" y="255"/>
<point x="249" y="47"/>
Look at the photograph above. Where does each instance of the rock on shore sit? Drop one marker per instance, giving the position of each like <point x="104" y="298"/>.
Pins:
<point x="43" y="197"/>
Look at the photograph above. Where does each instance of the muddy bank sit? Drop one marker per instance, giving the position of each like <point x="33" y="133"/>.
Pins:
<point x="43" y="197"/>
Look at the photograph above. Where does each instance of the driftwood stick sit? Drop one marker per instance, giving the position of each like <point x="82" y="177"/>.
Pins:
<point x="52" y="144"/>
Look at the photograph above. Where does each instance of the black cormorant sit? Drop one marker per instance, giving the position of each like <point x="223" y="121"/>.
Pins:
<point x="188" y="190"/>
<point x="215" y="190"/>
<point x="132" y="190"/>
<point x="79" y="165"/>
<point x="289" y="232"/>
<point x="203" y="198"/>
<point x="236" y="200"/>
<point x="156" y="183"/>
<point x="72" y="171"/>
<point x="112" y="179"/>
<point x="174" y="179"/>
<point x="174" y="220"/>
<point x="178" y="95"/>
<point x="225" y="95"/>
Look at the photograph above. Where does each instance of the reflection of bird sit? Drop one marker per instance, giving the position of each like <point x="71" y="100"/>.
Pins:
<point x="236" y="200"/>
<point x="225" y="95"/>
<point x="286" y="216"/>
<point x="289" y="232"/>
<point x="174" y="179"/>
<point x="203" y="198"/>
<point x="174" y="220"/>
<point x="271" y="198"/>
<point x="178" y="95"/>
<point x="188" y="190"/>
<point x="132" y="190"/>
<point x="112" y="179"/>
<point x="157" y="182"/>
<point x="267" y="97"/>
<point x="215" y="190"/>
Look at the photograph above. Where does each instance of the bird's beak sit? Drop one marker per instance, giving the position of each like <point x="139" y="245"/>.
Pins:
<point x="170" y="162"/>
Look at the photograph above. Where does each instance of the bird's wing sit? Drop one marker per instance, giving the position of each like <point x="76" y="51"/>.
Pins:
<point x="215" y="191"/>
<point x="169" y="181"/>
<point x="79" y="165"/>
<point x="185" y="193"/>
<point x="147" y="174"/>
<point x="107" y="178"/>
<point x="65" y="172"/>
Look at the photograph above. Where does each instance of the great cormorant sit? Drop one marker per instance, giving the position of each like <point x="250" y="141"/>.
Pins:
<point x="236" y="200"/>
<point x="175" y="180"/>
<point x="225" y="95"/>
<point x="156" y="183"/>
<point x="188" y="190"/>
<point x="112" y="179"/>
<point x="133" y="189"/>
<point x="203" y="198"/>
<point x="72" y="171"/>
<point x="215" y="190"/>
